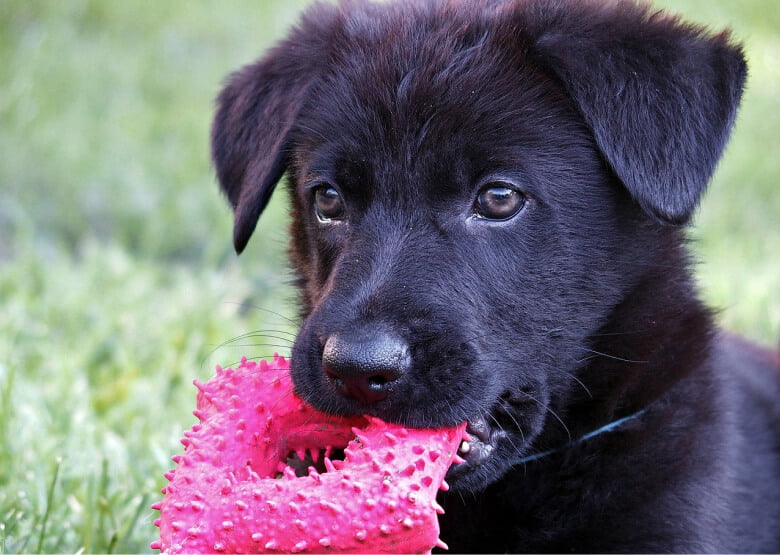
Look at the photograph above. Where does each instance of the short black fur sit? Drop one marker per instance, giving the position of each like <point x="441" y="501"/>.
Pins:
<point x="606" y="120"/>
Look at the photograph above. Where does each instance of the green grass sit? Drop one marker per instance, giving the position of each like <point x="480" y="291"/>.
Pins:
<point x="118" y="284"/>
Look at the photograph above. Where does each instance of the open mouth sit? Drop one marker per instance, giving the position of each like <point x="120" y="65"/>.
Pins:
<point x="481" y="443"/>
<point x="493" y="439"/>
<point x="481" y="450"/>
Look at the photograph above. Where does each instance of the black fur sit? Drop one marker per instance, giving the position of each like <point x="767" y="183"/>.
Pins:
<point x="608" y="119"/>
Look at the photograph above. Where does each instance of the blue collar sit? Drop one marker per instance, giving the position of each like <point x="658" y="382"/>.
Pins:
<point x="611" y="427"/>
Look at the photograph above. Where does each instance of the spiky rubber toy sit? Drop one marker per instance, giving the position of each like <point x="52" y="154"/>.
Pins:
<point x="243" y="486"/>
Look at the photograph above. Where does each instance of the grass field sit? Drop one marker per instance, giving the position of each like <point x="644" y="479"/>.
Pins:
<point x="118" y="284"/>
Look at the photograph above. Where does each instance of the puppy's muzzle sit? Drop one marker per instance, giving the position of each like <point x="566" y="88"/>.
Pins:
<point x="364" y="366"/>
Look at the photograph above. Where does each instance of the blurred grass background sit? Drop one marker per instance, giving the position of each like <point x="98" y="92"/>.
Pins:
<point x="118" y="283"/>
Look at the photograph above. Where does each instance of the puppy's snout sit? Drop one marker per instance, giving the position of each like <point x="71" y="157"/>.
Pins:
<point x="362" y="366"/>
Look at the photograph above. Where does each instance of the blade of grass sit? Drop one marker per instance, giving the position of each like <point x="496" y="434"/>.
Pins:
<point x="101" y="501"/>
<point x="49" y="500"/>
<point x="112" y="543"/>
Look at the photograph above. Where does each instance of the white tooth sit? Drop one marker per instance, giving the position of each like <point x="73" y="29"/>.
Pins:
<point x="465" y="447"/>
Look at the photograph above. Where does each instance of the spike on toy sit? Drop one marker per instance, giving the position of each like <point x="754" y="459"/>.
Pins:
<point x="279" y="486"/>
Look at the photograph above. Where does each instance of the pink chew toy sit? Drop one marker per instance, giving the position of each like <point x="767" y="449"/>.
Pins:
<point x="260" y="474"/>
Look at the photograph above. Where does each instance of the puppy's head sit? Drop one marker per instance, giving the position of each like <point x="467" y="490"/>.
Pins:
<point x="475" y="187"/>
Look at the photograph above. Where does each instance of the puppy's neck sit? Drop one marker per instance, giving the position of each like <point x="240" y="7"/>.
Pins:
<point x="655" y="338"/>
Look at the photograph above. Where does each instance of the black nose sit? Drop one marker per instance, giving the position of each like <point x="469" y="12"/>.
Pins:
<point x="363" y="366"/>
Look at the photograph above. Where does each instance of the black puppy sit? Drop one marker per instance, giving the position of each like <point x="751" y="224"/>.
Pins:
<point x="488" y="200"/>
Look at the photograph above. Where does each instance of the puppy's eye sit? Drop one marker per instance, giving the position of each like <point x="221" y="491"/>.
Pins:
<point x="328" y="204"/>
<point x="498" y="201"/>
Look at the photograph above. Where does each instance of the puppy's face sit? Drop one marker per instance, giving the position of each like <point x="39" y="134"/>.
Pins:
<point x="461" y="230"/>
<point x="458" y="239"/>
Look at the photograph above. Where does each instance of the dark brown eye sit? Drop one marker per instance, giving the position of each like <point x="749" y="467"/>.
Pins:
<point x="328" y="204"/>
<point x="498" y="201"/>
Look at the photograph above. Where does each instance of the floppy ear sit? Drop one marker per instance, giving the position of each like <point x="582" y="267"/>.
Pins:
<point x="255" y="112"/>
<point x="659" y="96"/>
